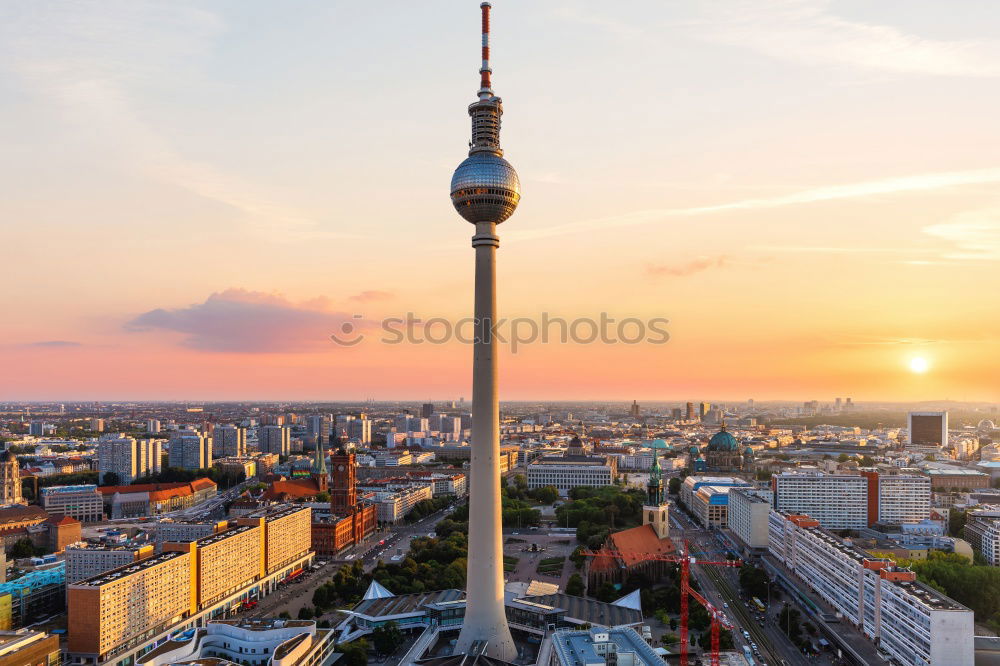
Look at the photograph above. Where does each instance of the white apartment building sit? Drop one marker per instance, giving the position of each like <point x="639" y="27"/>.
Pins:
<point x="982" y="530"/>
<point x="128" y="458"/>
<point x="184" y="531"/>
<point x="85" y="560"/>
<point x="393" y="505"/>
<point x="910" y="622"/>
<point x="749" y="512"/>
<point x="567" y="472"/>
<point x="710" y="506"/>
<point x="692" y="484"/>
<point x="190" y="450"/>
<point x="902" y="498"/>
<point x="229" y="441"/>
<point x="837" y="501"/>
<point x="275" y="439"/>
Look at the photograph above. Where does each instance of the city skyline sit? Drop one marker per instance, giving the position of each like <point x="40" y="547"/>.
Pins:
<point x="803" y="189"/>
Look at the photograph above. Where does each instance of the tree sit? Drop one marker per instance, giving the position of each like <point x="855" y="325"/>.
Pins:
<point x="574" y="586"/>
<point x="387" y="638"/>
<point x="843" y="457"/>
<point x="306" y="613"/>
<point x="23" y="548"/>
<point x="956" y="522"/>
<point x="285" y="615"/>
<point x="725" y="640"/>
<point x="788" y="622"/>
<point x="674" y="485"/>
<point x="111" y="479"/>
<point x="323" y="497"/>
<point x="355" y="653"/>
<point x="545" y="494"/>
<point x="607" y="592"/>
<point x="753" y="580"/>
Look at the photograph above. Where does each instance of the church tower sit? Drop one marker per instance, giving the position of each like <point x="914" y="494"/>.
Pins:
<point x="343" y="490"/>
<point x="10" y="479"/>
<point x="655" y="511"/>
<point x="319" y="472"/>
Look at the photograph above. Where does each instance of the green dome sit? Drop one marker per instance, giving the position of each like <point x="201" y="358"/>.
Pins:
<point x="723" y="441"/>
<point x="748" y="451"/>
<point x="659" y="444"/>
<point x="694" y="450"/>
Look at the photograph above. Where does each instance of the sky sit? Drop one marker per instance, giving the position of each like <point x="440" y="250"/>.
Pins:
<point x="195" y="196"/>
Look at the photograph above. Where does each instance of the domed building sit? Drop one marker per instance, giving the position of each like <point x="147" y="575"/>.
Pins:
<point x="723" y="453"/>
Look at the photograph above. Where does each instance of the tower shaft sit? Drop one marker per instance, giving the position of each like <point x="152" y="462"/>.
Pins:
<point x="485" y="619"/>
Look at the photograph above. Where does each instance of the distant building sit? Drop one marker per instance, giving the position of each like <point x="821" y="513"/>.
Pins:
<point x="982" y="531"/>
<point x="128" y="458"/>
<point x="97" y="425"/>
<point x="153" y="499"/>
<point x="229" y="441"/>
<point x="190" y="450"/>
<point x="28" y="647"/>
<point x="927" y="428"/>
<point x="570" y="471"/>
<point x="152" y="426"/>
<point x="10" y="479"/>
<point x="427" y="409"/>
<point x="275" y="439"/>
<point x="84" y="502"/>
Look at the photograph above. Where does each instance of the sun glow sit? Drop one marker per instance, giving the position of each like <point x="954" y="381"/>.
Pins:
<point x="919" y="365"/>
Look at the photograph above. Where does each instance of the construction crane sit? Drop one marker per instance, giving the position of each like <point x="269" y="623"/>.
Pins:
<point x="685" y="560"/>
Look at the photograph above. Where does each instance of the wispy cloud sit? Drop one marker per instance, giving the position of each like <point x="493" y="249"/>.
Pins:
<point x="974" y="234"/>
<point x="807" y="31"/>
<point x="241" y="321"/>
<point x="87" y="60"/>
<point x="687" y="268"/>
<point x="371" y="296"/>
<point x="872" y="188"/>
<point x="54" y="343"/>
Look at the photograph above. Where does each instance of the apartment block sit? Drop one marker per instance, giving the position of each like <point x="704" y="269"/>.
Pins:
<point x="229" y="441"/>
<point x="837" y="501"/>
<point x="898" y="499"/>
<point x="190" y="450"/>
<point x="911" y="623"/>
<point x="128" y="458"/>
<point x="223" y="563"/>
<point x="86" y="561"/>
<point x="286" y="534"/>
<point x="749" y="512"/>
<point x="274" y="439"/>
<point x="115" y="611"/>
<point x="187" y="530"/>
<point x="982" y="530"/>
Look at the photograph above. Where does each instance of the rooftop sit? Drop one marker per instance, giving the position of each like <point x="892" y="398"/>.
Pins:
<point x="127" y="570"/>
<point x="578" y="647"/>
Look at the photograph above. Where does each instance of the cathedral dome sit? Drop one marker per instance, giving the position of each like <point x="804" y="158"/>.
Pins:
<point x="659" y="444"/>
<point x="694" y="450"/>
<point x="723" y="441"/>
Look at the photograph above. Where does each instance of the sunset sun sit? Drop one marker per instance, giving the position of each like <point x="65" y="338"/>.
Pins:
<point x="919" y="365"/>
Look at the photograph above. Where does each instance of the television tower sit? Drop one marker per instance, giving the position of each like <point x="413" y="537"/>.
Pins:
<point x="485" y="191"/>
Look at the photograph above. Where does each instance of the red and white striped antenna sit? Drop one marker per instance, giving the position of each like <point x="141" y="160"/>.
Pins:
<point x="485" y="85"/>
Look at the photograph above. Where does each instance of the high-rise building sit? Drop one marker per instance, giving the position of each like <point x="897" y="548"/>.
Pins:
<point x="703" y="409"/>
<point x="689" y="411"/>
<point x="128" y="458"/>
<point x="427" y="409"/>
<point x="485" y="191"/>
<point x="748" y="517"/>
<point x="676" y="413"/>
<point x="190" y="450"/>
<point x="837" y="501"/>
<point x="10" y="479"/>
<point x="911" y="622"/>
<point x="152" y="426"/>
<point x="633" y="410"/>
<point x="927" y="428"/>
<point x="229" y="441"/>
<point x="275" y="439"/>
<point x="36" y="429"/>
<point x="897" y="499"/>
<point x="97" y="425"/>
<point x="319" y="426"/>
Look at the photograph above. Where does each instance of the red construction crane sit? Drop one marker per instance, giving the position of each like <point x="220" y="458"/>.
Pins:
<point x="685" y="560"/>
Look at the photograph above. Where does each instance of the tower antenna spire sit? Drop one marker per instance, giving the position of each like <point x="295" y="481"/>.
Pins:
<point x="485" y="84"/>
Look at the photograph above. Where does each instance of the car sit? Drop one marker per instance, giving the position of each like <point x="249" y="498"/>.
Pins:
<point x="725" y="605"/>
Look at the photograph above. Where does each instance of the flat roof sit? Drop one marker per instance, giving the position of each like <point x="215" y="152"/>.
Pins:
<point x="127" y="570"/>
<point x="577" y="647"/>
<point x="222" y="536"/>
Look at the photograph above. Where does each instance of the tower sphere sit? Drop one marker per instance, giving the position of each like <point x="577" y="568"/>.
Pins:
<point x="485" y="188"/>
